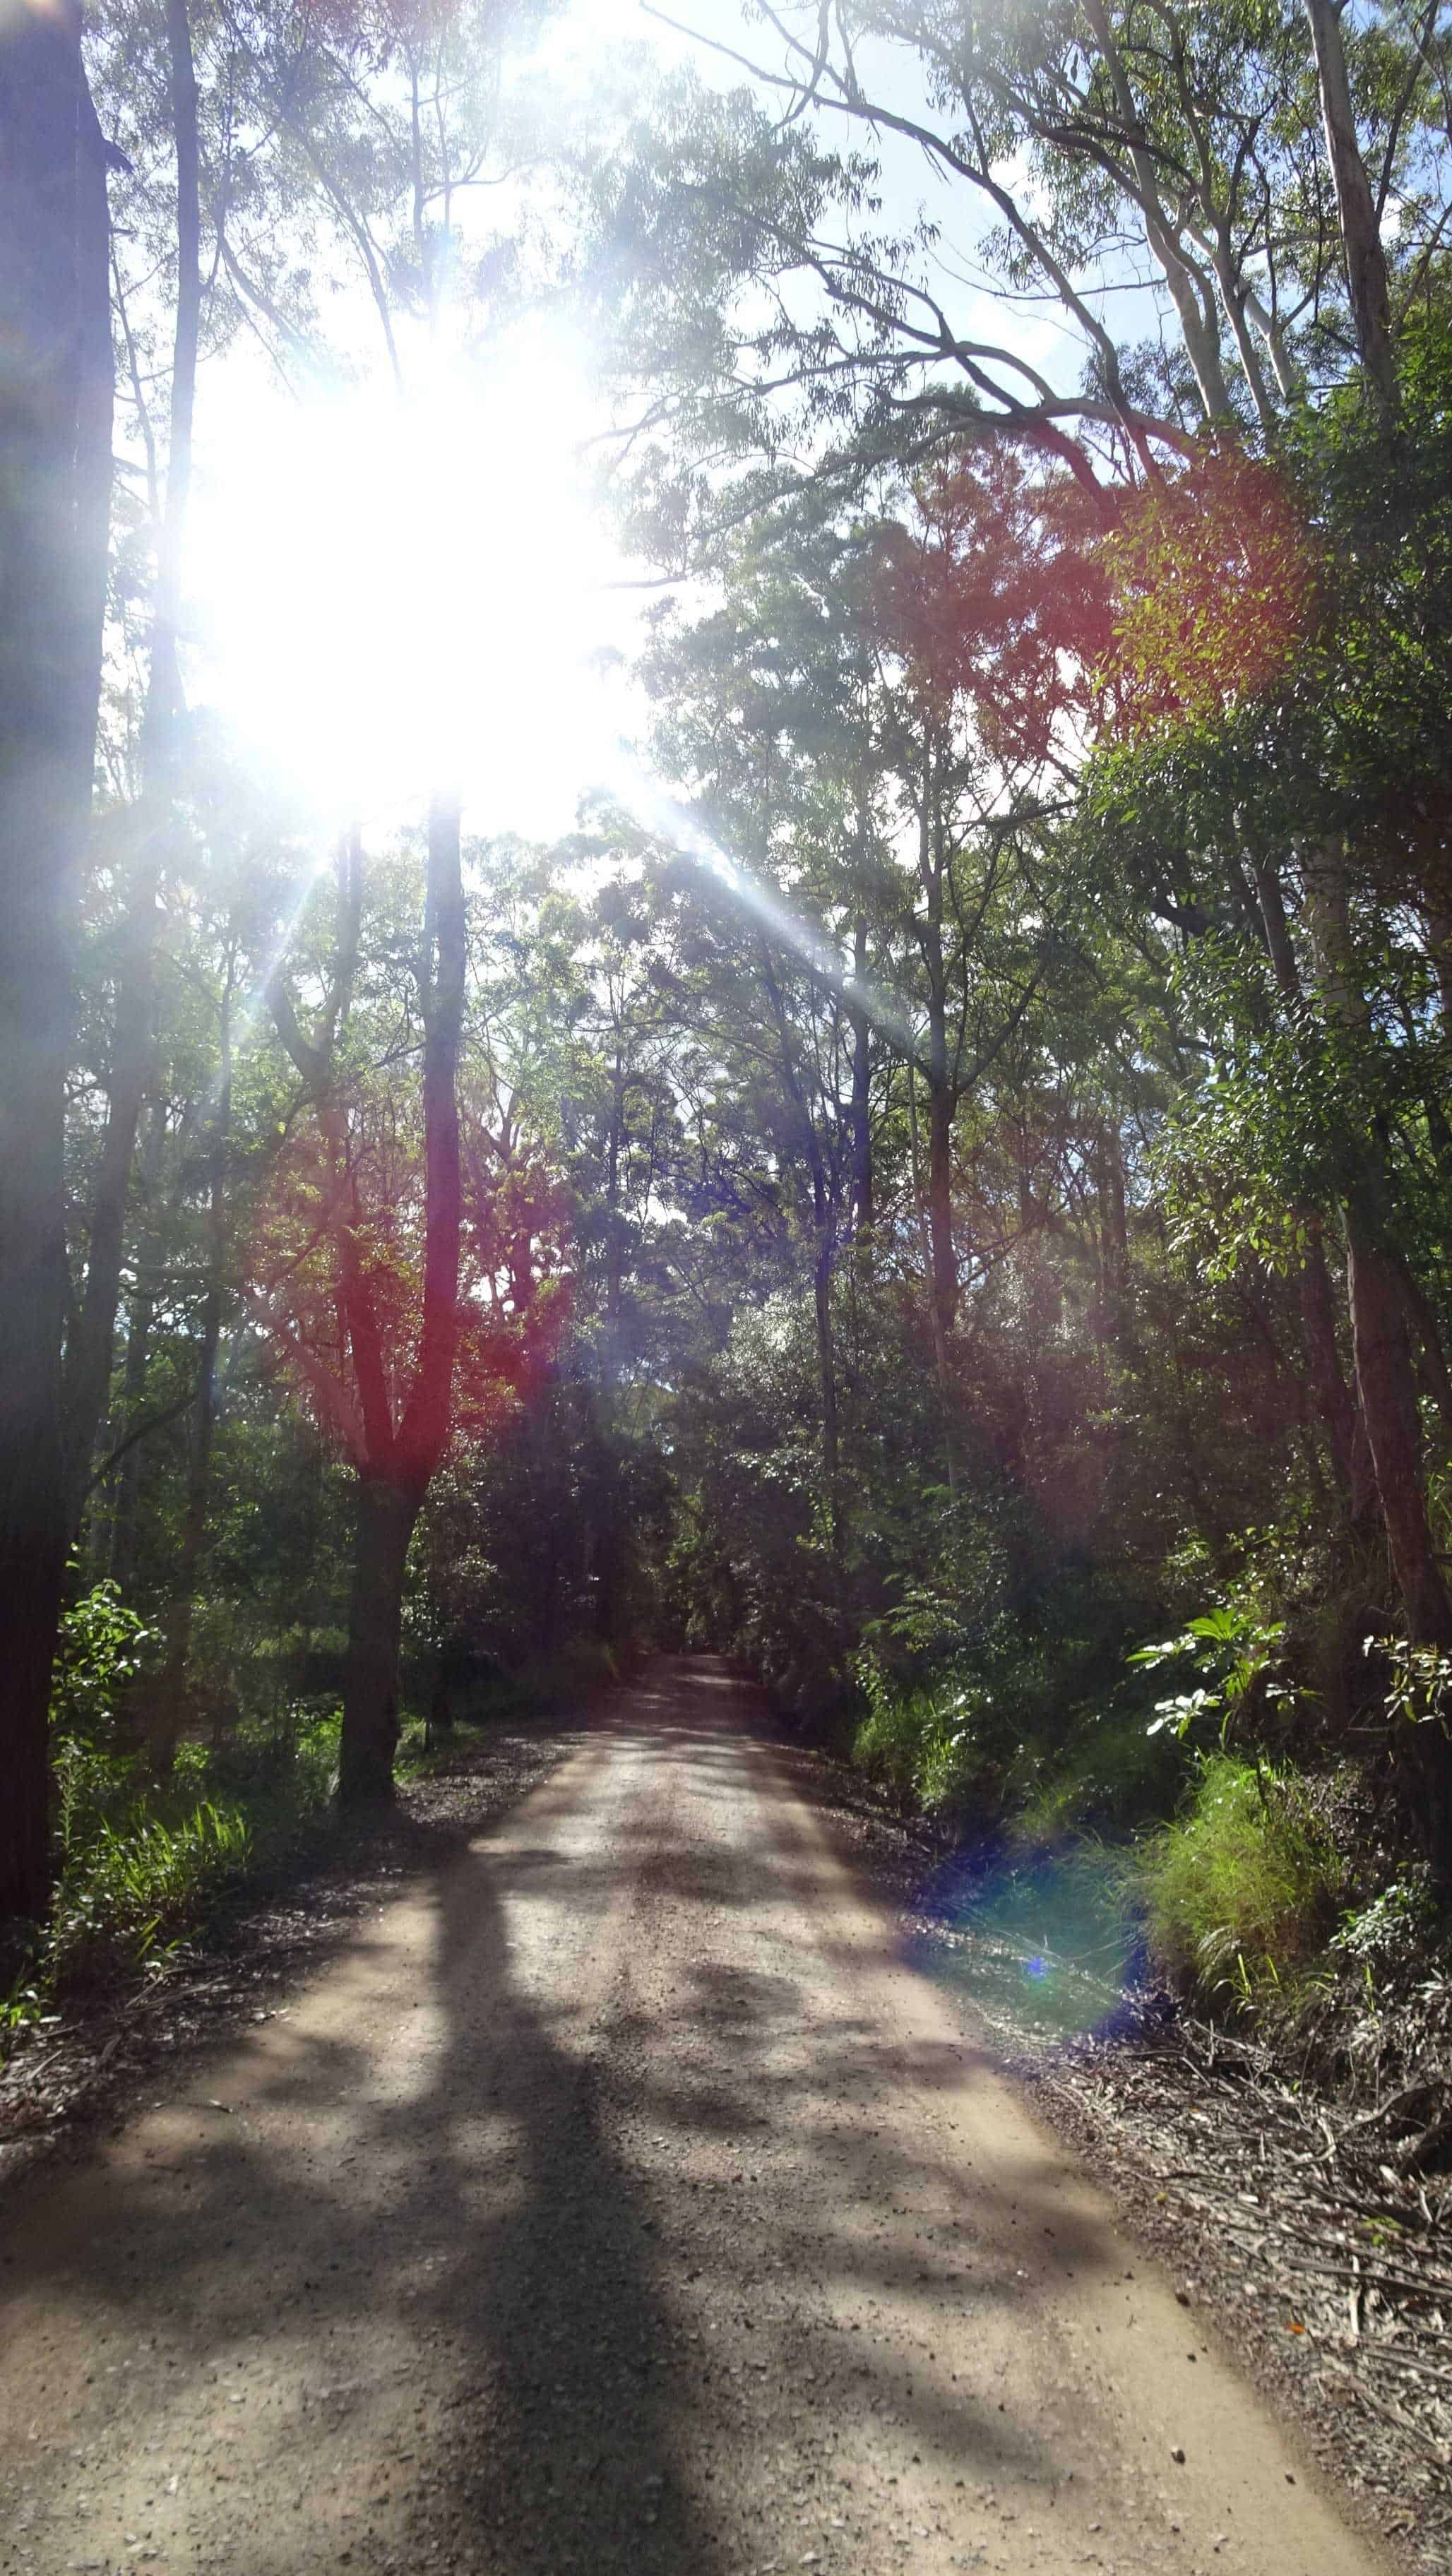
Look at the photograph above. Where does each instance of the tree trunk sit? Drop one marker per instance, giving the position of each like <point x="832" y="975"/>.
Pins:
<point x="925" y="1240"/>
<point x="386" y="1513"/>
<point x="424" y="1430"/>
<point x="52" y="416"/>
<point x="171" y="1698"/>
<point x="1196" y="311"/>
<point x="1385" y="1376"/>
<point x="1115" y="1302"/>
<point x="940" y="1210"/>
<point x="1387" y="1384"/>
<point x="827" y="1375"/>
<point x="1366" y="276"/>
<point x="606" y="1535"/>
<point x="1337" y="1406"/>
<point x="88" y="1359"/>
<point x="396" y="1471"/>
<point x="942" y="1098"/>
<point x="861" y="1097"/>
<point x="1340" y="1412"/>
<point x="90" y="1345"/>
<point x="138" y="1345"/>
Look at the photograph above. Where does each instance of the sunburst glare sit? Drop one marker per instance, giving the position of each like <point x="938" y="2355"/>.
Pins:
<point x="405" y="588"/>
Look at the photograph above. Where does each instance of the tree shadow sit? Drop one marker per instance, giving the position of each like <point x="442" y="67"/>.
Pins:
<point x="445" y="2283"/>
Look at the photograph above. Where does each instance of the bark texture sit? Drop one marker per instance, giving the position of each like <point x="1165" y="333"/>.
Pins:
<point x="386" y="1513"/>
<point x="1366" y="273"/>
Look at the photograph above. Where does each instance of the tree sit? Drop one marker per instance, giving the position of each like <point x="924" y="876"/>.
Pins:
<point x="357" y="1267"/>
<point x="1199" y="137"/>
<point x="55" y="433"/>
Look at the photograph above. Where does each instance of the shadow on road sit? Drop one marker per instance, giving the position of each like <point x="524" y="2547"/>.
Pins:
<point x="356" y="2239"/>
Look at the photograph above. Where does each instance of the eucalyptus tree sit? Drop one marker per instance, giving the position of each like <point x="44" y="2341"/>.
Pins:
<point x="401" y="120"/>
<point x="1232" y="176"/>
<point x="203" y="204"/>
<point x="364" y="1234"/>
<point x="766" y="712"/>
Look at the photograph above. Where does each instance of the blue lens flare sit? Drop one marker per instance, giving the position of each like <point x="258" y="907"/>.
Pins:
<point x="1044" y="1944"/>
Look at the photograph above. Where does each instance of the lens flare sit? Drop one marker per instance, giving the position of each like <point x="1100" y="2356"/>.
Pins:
<point x="670" y="821"/>
<point x="1042" y="1946"/>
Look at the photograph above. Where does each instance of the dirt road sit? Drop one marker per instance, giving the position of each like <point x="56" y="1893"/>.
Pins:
<point x="621" y="2203"/>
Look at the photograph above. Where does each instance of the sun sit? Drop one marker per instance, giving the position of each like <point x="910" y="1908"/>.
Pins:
<point x="394" y="590"/>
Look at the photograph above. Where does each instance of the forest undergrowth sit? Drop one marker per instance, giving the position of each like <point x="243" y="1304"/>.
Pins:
<point x="1222" y="1842"/>
<point x="151" y="1869"/>
<point x="1302" y="2211"/>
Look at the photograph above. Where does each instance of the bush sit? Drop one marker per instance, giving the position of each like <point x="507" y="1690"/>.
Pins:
<point x="927" y="1745"/>
<point x="128" y="1894"/>
<point x="1106" y="1777"/>
<point x="1241" y="1889"/>
<point x="142" y="1863"/>
<point x="101" y="1649"/>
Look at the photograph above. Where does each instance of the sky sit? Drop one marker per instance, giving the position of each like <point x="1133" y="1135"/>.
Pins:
<point x="386" y="592"/>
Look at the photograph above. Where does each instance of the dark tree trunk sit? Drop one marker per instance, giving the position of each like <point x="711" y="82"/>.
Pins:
<point x="1385" y="1376"/>
<point x="827" y="1374"/>
<point x="54" y="436"/>
<point x="424" y="1430"/>
<point x="1119" y="1337"/>
<point x="1386" y="1382"/>
<point x="1337" y="1404"/>
<point x="1115" y="1218"/>
<point x="942" y="1096"/>
<point x="386" y="1513"/>
<point x="925" y="1238"/>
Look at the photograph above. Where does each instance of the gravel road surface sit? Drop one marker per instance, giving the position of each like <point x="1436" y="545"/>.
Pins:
<point x="620" y="2202"/>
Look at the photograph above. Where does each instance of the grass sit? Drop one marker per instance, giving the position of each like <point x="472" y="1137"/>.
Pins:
<point x="126" y="1898"/>
<point x="1236" y="1894"/>
<point x="145" y="1865"/>
<point x="1240" y="1890"/>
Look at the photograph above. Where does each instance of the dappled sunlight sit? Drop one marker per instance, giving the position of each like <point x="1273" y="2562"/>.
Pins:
<point x="592" y="2216"/>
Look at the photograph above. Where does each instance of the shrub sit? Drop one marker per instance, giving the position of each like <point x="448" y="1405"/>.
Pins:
<point x="1240" y="1889"/>
<point x="1106" y="1776"/>
<point x="101" y="1649"/>
<point x="128" y="1893"/>
<point x="141" y="1863"/>
<point x="1395" y="1930"/>
<point x="927" y="1745"/>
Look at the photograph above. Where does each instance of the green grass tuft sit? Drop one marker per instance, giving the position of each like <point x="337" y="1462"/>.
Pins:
<point x="1241" y="1889"/>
